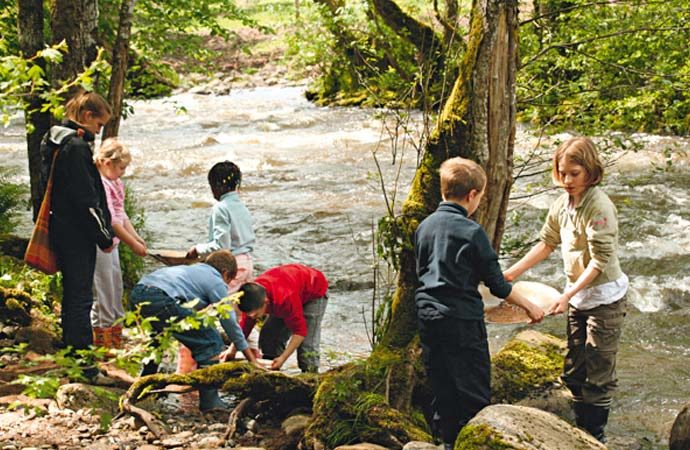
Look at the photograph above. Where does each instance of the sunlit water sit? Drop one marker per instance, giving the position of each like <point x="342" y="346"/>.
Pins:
<point x="311" y="183"/>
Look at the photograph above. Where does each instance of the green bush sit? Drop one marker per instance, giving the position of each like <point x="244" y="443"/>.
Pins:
<point x="132" y="265"/>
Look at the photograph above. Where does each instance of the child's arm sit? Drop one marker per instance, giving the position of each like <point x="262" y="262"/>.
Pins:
<point x="586" y="277"/>
<point x="130" y="228"/>
<point x="295" y="342"/>
<point x="534" y="312"/>
<point x="220" y="236"/>
<point x="125" y="236"/>
<point x="537" y="254"/>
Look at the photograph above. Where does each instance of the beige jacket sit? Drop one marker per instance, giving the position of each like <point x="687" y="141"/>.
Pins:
<point x="590" y="234"/>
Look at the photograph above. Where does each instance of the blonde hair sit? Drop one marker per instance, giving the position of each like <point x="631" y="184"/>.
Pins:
<point x="580" y="151"/>
<point x="85" y="101"/>
<point x="459" y="176"/>
<point x="113" y="150"/>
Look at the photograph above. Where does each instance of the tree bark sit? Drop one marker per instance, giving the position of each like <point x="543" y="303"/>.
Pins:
<point x="477" y="122"/>
<point x="76" y="22"/>
<point x="31" y="41"/>
<point x="119" y="67"/>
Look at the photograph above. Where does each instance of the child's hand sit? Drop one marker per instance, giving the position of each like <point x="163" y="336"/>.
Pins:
<point x="228" y="355"/>
<point x="561" y="305"/>
<point x="535" y="313"/>
<point x="508" y="275"/>
<point x="139" y="249"/>
<point x="192" y="253"/>
<point x="277" y="363"/>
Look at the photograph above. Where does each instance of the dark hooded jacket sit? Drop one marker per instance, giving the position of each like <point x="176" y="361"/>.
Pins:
<point x="79" y="208"/>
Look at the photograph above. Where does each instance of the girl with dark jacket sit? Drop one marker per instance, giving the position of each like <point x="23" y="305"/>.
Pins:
<point x="80" y="219"/>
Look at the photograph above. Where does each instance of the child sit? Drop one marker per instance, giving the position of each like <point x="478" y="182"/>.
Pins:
<point x="111" y="160"/>
<point x="164" y="293"/>
<point x="453" y="255"/>
<point x="583" y="220"/>
<point x="79" y="214"/>
<point x="295" y="298"/>
<point x="230" y="226"/>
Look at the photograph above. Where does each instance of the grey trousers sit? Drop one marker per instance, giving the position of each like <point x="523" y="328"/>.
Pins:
<point x="107" y="289"/>
<point x="274" y="336"/>
<point x="590" y="365"/>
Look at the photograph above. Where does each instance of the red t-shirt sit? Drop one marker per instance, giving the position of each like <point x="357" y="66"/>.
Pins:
<point x="288" y="288"/>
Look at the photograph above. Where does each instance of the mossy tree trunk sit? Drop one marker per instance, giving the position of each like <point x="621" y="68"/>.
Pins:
<point x="119" y="67"/>
<point x="477" y="122"/>
<point x="31" y="41"/>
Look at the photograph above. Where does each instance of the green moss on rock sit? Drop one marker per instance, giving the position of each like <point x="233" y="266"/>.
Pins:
<point x="519" y="369"/>
<point x="480" y="437"/>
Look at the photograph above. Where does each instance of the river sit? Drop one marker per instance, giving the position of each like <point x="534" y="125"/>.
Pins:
<point x="311" y="183"/>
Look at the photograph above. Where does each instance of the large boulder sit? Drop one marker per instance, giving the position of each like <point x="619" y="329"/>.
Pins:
<point x="680" y="432"/>
<point x="527" y="366"/>
<point x="522" y="428"/>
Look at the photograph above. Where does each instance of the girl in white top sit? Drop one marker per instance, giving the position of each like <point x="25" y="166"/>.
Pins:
<point x="584" y="222"/>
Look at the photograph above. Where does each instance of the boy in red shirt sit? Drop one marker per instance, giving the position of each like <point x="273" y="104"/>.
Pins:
<point x="294" y="297"/>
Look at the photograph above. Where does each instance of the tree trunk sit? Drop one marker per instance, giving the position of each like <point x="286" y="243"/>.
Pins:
<point x="477" y="122"/>
<point x="76" y="22"/>
<point x="31" y="41"/>
<point x="119" y="67"/>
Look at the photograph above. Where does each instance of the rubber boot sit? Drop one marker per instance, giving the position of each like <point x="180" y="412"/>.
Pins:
<point x="581" y="415"/>
<point x="99" y="337"/>
<point x="116" y="336"/>
<point x="447" y="446"/>
<point x="598" y="418"/>
<point x="185" y="361"/>
<point x="210" y="400"/>
<point x="208" y="396"/>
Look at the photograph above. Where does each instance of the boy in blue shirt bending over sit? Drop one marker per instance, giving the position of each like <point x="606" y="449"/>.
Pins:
<point x="164" y="294"/>
<point x="453" y="255"/>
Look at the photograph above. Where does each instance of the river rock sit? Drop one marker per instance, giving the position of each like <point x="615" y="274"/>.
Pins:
<point x="361" y="446"/>
<point x="419" y="445"/>
<point x="529" y="364"/>
<point x="295" y="424"/>
<point x="680" y="432"/>
<point x="523" y="428"/>
<point x="77" y="396"/>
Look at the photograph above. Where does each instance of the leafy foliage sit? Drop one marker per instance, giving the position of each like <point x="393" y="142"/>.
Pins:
<point x="11" y="196"/>
<point x="621" y="65"/>
<point x="361" y="60"/>
<point x="132" y="265"/>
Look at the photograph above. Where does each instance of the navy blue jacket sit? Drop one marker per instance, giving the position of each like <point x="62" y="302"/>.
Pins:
<point x="453" y="255"/>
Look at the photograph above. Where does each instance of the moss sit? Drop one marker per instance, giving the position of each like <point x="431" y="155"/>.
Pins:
<point x="519" y="369"/>
<point x="15" y="306"/>
<point x="480" y="437"/>
<point x="352" y="405"/>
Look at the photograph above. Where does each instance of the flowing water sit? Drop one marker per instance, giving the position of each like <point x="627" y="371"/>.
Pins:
<point x="311" y="182"/>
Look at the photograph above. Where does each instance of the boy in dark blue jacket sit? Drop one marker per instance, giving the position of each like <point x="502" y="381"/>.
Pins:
<point x="453" y="255"/>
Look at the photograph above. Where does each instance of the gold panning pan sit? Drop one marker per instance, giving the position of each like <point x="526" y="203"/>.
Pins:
<point x="499" y="311"/>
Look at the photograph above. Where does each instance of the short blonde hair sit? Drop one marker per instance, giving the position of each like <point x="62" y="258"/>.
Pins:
<point x="580" y="151"/>
<point x="113" y="150"/>
<point x="459" y="176"/>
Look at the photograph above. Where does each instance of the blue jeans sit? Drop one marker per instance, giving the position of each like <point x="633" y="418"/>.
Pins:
<point x="204" y="343"/>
